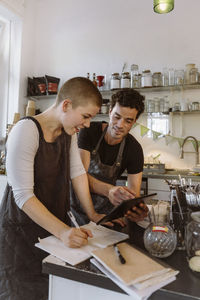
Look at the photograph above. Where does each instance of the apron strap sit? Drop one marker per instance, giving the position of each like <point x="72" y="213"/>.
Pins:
<point x="121" y="149"/>
<point x="119" y="155"/>
<point x="99" y="142"/>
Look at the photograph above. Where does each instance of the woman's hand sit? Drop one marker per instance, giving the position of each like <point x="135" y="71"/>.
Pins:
<point x="75" y="237"/>
<point x="118" y="194"/>
<point x="137" y="213"/>
<point x="96" y="217"/>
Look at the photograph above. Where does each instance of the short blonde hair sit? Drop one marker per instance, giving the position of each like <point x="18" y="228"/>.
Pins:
<point x="81" y="91"/>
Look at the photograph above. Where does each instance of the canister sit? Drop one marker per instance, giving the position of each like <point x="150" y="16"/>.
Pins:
<point x="115" y="81"/>
<point x="195" y="105"/>
<point x="125" y="80"/>
<point x="146" y="80"/>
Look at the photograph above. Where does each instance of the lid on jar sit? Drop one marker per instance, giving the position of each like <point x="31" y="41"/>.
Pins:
<point x="115" y="74"/>
<point x="195" y="102"/>
<point x="190" y="65"/>
<point x="125" y="73"/>
<point x="146" y="71"/>
<point x="157" y="73"/>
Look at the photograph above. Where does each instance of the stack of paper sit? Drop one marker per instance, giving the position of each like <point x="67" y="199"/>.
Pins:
<point x="140" y="276"/>
<point x="102" y="237"/>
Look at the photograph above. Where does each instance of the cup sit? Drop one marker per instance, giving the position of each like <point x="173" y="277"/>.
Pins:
<point x="180" y="221"/>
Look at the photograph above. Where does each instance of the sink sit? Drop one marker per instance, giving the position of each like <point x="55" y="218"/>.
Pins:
<point x="182" y="172"/>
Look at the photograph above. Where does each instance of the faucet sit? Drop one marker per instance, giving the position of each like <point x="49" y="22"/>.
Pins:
<point x="196" y="150"/>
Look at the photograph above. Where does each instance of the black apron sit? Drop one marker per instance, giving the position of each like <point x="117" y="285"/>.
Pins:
<point x="101" y="172"/>
<point x="21" y="275"/>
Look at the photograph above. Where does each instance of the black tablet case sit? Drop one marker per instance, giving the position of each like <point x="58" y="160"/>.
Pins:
<point x="121" y="209"/>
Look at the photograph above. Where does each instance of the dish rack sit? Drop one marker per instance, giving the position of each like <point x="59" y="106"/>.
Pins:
<point x="151" y="168"/>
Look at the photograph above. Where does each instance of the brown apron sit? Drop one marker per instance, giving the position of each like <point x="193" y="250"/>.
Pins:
<point x="21" y="275"/>
<point x="101" y="172"/>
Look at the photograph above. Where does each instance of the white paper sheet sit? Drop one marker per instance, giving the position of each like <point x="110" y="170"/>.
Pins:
<point x="102" y="237"/>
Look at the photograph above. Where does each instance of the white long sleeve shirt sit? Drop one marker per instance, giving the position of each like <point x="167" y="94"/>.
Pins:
<point x="22" y="145"/>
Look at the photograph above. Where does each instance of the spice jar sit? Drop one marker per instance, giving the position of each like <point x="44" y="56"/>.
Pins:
<point x="146" y="80"/>
<point x="157" y="79"/>
<point x="115" y="81"/>
<point x="125" y="80"/>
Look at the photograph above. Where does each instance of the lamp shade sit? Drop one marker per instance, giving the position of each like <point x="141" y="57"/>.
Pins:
<point x="163" y="6"/>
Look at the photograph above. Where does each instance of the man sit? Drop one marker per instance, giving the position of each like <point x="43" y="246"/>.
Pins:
<point x="107" y="150"/>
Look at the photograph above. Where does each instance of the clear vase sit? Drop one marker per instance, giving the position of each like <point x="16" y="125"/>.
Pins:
<point x="160" y="239"/>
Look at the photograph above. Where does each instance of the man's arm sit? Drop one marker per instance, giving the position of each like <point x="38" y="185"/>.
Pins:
<point x="134" y="183"/>
<point x="137" y="213"/>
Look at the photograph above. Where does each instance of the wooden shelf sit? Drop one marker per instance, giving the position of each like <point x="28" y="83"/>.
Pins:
<point x="158" y="88"/>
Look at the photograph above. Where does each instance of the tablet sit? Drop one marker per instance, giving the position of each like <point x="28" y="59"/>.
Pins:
<point x="121" y="209"/>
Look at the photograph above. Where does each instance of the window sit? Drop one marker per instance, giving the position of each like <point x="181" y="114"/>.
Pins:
<point x="10" y="52"/>
<point x="157" y="122"/>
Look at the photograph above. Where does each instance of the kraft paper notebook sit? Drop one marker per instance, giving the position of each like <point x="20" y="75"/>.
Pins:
<point x="137" y="269"/>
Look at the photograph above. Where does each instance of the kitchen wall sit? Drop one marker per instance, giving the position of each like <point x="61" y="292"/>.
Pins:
<point x="66" y="38"/>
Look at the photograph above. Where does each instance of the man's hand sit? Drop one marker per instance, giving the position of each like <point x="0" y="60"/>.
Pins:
<point x="118" y="194"/>
<point x="137" y="213"/>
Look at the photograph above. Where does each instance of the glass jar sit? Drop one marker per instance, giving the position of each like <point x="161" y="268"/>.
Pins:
<point x="195" y="106"/>
<point x="104" y="108"/>
<point x="134" y="76"/>
<point x="193" y="75"/>
<point x="150" y="106"/>
<point x="179" y="77"/>
<point x="115" y="81"/>
<point x="125" y="80"/>
<point x="160" y="239"/>
<point x="171" y="76"/>
<point x="192" y="242"/>
<point x="157" y="104"/>
<point x="162" y="105"/>
<point x="146" y="80"/>
<point x="187" y="73"/>
<point x="157" y="79"/>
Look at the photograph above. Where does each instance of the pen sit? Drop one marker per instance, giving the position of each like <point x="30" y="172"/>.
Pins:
<point x="121" y="258"/>
<point x="72" y="218"/>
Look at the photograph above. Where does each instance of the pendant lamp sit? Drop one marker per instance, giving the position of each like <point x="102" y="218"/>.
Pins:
<point x="163" y="6"/>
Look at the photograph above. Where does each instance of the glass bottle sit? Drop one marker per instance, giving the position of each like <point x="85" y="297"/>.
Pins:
<point x="134" y="76"/>
<point x="94" y="79"/>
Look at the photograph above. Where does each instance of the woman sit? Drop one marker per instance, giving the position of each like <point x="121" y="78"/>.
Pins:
<point x="42" y="157"/>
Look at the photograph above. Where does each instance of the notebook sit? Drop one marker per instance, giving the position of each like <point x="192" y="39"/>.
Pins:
<point x="137" y="269"/>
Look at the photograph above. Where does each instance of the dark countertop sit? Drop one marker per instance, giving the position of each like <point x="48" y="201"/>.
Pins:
<point x="185" y="287"/>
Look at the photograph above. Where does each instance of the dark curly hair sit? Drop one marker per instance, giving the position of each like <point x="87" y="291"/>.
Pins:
<point x="129" y="98"/>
